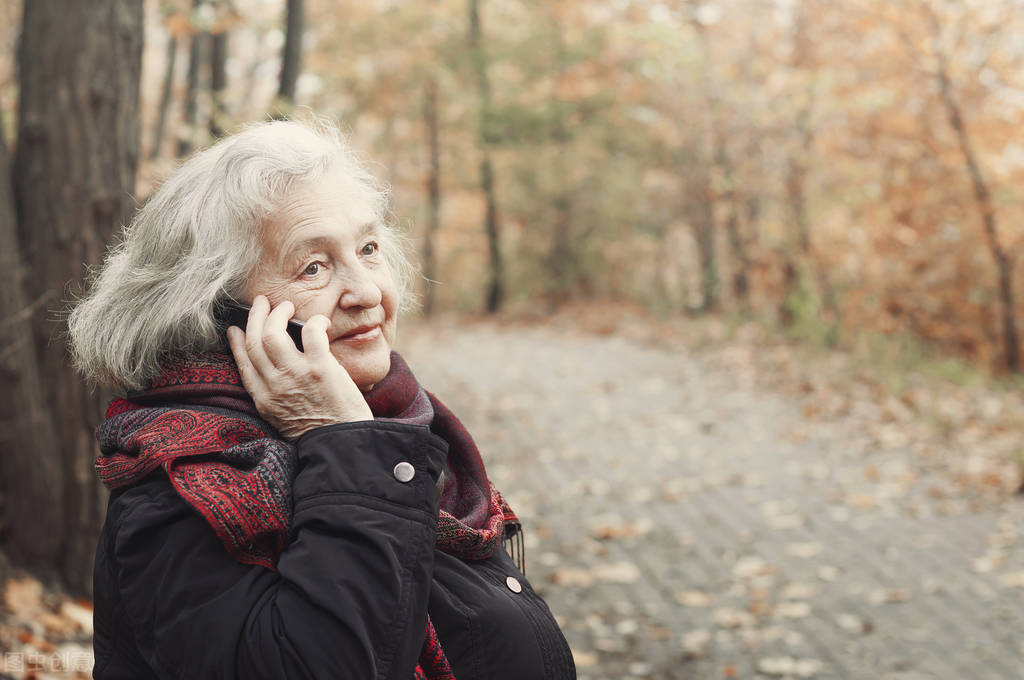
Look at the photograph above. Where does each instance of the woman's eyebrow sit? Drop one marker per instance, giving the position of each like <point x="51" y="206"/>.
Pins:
<point x="367" y="228"/>
<point x="322" y="242"/>
<point x="301" y="248"/>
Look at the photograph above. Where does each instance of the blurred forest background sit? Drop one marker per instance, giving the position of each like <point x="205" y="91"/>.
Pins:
<point x="842" y="169"/>
<point x="846" y="166"/>
<point x="839" y="166"/>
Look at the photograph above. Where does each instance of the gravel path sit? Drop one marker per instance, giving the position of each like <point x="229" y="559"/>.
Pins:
<point x="684" y="522"/>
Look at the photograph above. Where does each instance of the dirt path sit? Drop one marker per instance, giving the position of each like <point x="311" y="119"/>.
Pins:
<point x="685" y="522"/>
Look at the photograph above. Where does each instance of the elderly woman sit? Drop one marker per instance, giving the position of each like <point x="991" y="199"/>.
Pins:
<point x="277" y="512"/>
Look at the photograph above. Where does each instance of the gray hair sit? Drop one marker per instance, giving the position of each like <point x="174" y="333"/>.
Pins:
<point x="196" y="241"/>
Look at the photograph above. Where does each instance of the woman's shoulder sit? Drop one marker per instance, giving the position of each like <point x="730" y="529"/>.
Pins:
<point x="149" y="500"/>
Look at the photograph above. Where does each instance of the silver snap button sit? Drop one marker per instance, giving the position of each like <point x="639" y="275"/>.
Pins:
<point x="513" y="584"/>
<point x="404" y="472"/>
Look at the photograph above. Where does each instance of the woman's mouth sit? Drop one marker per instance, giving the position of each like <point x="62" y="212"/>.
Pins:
<point x="360" y="335"/>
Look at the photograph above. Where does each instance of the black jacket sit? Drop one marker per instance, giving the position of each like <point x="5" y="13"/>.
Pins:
<point x="353" y="588"/>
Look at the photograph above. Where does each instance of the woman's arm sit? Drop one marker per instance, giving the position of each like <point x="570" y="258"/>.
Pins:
<point x="349" y="599"/>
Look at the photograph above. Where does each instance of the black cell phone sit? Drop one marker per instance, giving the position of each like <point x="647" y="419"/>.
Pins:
<point x="237" y="314"/>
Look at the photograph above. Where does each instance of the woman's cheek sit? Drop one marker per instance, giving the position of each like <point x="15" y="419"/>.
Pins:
<point x="279" y="291"/>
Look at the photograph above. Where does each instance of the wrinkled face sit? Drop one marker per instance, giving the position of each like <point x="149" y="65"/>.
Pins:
<point x="322" y="251"/>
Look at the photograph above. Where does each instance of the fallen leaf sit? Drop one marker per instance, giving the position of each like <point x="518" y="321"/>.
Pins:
<point x="693" y="598"/>
<point x="788" y="666"/>
<point x="60" y="626"/>
<point x="584" y="659"/>
<point x="627" y="627"/>
<point x="864" y="501"/>
<point x="726" y="617"/>
<point x="23" y="597"/>
<point x="610" y="645"/>
<point x="804" y="550"/>
<point x="1013" y="579"/>
<point x="695" y="643"/>
<point x="828" y="572"/>
<point x="800" y="591"/>
<point x="573" y="577"/>
<point x="890" y="596"/>
<point x="79" y="611"/>
<point x="639" y="668"/>
<point x="619" y="572"/>
<point x="751" y="566"/>
<point x="793" y="610"/>
<point x="854" y="624"/>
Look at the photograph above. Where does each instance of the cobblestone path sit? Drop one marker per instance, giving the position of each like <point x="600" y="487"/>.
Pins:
<point x="683" y="523"/>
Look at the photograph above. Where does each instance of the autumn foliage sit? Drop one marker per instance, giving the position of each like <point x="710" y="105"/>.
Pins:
<point x="840" y="167"/>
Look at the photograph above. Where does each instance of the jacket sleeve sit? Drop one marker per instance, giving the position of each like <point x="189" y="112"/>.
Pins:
<point x="349" y="599"/>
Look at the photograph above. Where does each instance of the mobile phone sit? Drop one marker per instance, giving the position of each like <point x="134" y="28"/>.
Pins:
<point x="237" y="314"/>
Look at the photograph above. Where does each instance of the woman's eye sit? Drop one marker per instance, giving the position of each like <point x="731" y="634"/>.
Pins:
<point x="312" y="269"/>
<point x="370" y="248"/>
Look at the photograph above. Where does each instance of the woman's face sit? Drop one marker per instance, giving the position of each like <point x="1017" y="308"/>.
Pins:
<point x="322" y="251"/>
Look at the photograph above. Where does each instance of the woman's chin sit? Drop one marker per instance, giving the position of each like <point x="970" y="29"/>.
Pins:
<point x="366" y="368"/>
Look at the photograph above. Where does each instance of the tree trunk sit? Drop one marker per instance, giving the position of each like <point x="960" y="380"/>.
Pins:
<point x="730" y="197"/>
<point x="796" y="172"/>
<point x="700" y="206"/>
<point x="560" y="255"/>
<point x="218" y="81"/>
<point x="27" y="476"/>
<point x="74" y="175"/>
<point x="195" y="59"/>
<point x="753" y="215"/>
<point x="796" y="189"/>
<point x="983" y="199"/>
<point x="291" y="58"/>
<point x="165" y="97"/>
<point x="433" y="192"/>
<point x="796" y="194"/>
<point x="700" y="215"/>
<point x="495" y="292"/>
<point x="740" y="276"/>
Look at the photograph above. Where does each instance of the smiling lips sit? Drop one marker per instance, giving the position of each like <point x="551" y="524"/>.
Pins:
<point x="360" y="335"/>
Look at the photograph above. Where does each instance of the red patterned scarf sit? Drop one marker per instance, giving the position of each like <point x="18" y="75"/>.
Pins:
<point x="237" y="473"/>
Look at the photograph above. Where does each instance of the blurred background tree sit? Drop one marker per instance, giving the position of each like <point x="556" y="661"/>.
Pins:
<point x="836" y="168"/>
<point x="73" y="171"/>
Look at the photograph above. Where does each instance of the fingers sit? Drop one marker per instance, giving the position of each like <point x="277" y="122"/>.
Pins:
<point x="254" y="335"/>
<point x="315" y="342"/>
<point x="277" y="344"/>
<point x="250" y="376"/>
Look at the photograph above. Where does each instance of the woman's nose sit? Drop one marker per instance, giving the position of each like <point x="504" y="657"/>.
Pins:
<point x="360" y="290"/>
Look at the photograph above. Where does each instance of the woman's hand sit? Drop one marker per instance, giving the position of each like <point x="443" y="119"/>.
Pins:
<point x="294" y="391"/>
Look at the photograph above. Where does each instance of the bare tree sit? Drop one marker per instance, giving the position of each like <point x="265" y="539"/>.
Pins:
<point x="697" y="186"/>
<point x="560" y="254"/>
<point x="218" y="72"/>
<point x="165" y="95"/>
<point x="982" y="197"/>
<point x="727" y="173"/>
<point x="29" y="470"/>
<point x="699" y="211"/>
<point x="795" y="184"/>
<point x="197" y="46"/>
<point x="291" y="57"/>
<point x="430" y="119"/>
<point x="495" y="291"/>
<point x="74" y="173"/>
